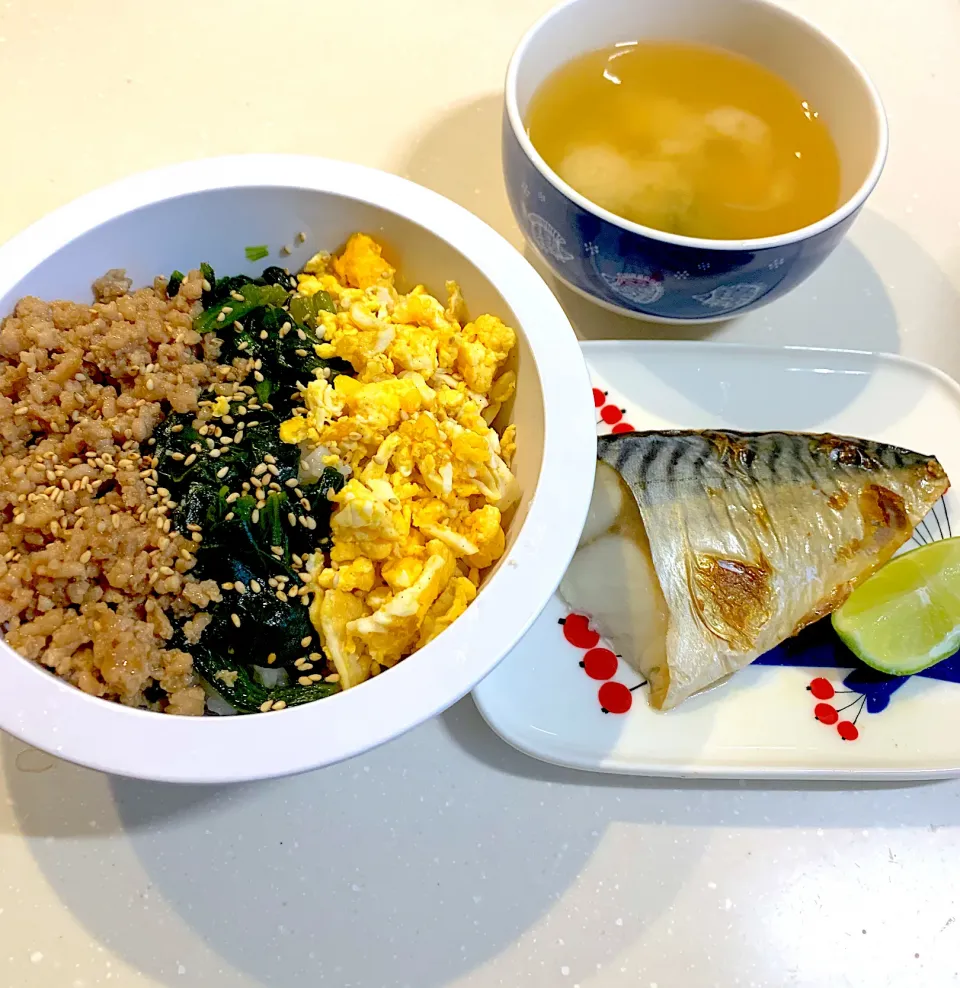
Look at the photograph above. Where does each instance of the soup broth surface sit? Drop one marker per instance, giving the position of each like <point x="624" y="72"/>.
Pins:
<point x="688" y="139"/>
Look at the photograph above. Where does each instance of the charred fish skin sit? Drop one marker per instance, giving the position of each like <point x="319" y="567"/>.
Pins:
<point x="754" y="535"/>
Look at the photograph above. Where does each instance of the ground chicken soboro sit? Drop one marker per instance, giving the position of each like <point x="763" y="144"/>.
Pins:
<point x="89" y="568"/>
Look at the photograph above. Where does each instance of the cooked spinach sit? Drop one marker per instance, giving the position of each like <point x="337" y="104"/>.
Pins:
<point x="224" y="313"/>
<point x="278" y="276"/>
<point x="234" y="484"/>
<point x="174" y="283"/>
<point x="244" y="693"/>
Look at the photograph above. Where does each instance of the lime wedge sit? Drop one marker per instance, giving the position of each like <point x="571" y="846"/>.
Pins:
<point x="906" y="617"/>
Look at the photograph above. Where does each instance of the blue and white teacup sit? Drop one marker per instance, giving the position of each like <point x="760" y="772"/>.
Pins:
<point x="642" y="272"/>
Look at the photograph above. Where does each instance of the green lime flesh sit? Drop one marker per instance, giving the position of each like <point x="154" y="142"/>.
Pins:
<point x="906" y="617"/>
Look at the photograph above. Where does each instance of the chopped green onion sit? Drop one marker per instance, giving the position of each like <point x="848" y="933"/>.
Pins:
<point x="257" y="253"/>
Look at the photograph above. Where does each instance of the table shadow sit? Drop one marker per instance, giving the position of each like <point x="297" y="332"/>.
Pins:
<point x="436" y="861"/>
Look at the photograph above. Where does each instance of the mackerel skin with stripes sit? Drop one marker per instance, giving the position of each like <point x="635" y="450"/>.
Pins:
<point x="753" y="536"/>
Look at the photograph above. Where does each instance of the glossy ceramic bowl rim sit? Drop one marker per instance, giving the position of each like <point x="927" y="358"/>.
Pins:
<point x="46" y="712"/>
<point x="845" y="209"/>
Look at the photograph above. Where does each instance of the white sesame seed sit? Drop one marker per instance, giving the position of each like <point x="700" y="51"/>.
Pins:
<point x="222" y="472"/>
<point x="190" y="459"/>
<point x="265" y="706"/>
<point x="235" y="619"/>
<point x="255" y="586"/>
<point x="214" y="453"/>
<point x="255" y="515"/>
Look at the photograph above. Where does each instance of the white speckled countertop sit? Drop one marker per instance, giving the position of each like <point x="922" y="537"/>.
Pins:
<point x="446" y="858"/>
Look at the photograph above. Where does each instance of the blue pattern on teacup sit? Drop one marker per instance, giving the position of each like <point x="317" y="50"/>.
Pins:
<point x="641" y="274"/>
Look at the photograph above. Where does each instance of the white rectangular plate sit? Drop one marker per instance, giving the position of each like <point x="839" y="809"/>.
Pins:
<point x="808" y="709"/>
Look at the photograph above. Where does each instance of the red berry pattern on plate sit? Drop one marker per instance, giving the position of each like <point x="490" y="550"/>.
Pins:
<point x="615" y="698"/>
<point x="825" y="713"/>
<point x="848" y="730"/>
<point x="600" y="664"/>
<point x="829" y="714"/>
<point x="610" y="415"/>
<point x="822" y="688"/>
<point x="577" y="631"/>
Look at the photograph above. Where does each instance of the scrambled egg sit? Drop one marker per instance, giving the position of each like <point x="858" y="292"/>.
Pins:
<point x="429" y="480"/>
